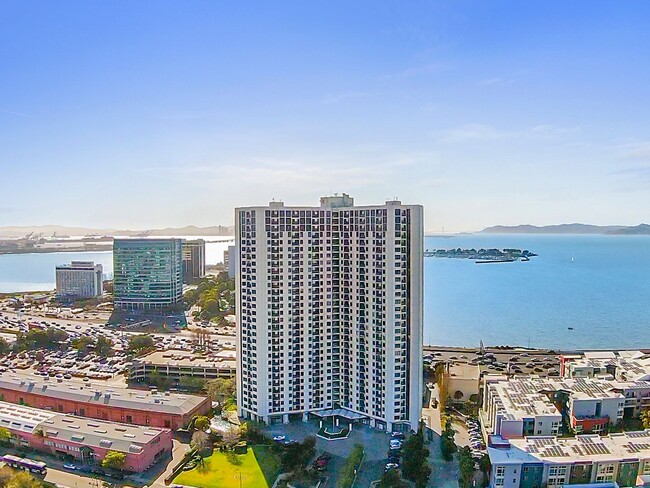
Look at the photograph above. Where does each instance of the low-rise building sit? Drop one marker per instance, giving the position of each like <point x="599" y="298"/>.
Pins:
<point x="114" y="404"/>
<point x="86" y="440"/>
<point x="175" y="364"/>
<point x="554" y="462"/>
<point x="619" y="365"/>
<point x="462" y="381"/>
<point x="523" y="406"/>
<point x="79" y="279"/>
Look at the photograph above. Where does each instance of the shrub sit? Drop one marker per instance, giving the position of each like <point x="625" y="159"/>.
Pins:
<point x="351" y="465"/>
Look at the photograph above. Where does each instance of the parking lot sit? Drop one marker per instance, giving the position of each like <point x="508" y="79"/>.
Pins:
<point x="68" y="364"/>
<point x="497" y="360"/>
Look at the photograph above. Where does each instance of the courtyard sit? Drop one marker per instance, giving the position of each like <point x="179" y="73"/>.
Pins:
<point x="375" y="444"/>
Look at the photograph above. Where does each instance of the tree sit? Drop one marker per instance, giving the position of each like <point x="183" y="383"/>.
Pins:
<point x="4" y="347"/>
<point x="458" y="395"/>
<point x="5" y="435"/>
<point x="466" y="465"/>
<point x="348" y="472"/>
<point x="104" y="346"/>
<point x="447" y="443"/>
<point x="51" y="338"/>
<point x="414" y="465"/>
<point x="391" y="479"/>
<point x="202" y="422"/>
<point x="296" y="456"/>
<point x="645" y="418"/>
<point x="23" y="480"/>
<point x="159" y="381"/>
<point x="221" y="389"/>
<point x="83" y="343"/>
<point x="140" y="343"/>
<point x="190" y="383"/>
<point x="200" y="441"/>
<point x="114" y="460"/>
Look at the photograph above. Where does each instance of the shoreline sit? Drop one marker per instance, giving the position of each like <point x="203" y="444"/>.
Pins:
<point x="52" y="251"/>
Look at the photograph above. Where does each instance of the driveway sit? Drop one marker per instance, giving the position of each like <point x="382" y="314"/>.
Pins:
<point x="374" y="442"/>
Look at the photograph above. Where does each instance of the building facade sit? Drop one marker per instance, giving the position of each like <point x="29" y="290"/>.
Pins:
<point x="87" y="441"/>
<point x="583" y="460"/>
<point x="230" y="260"/>
<point x="530" y="405"/>
<point x="193" y="260"/>
<point x="79" y="279"/>
<point x="329" y="304"/>
<point x="147" y="273"/>
<point x="174" y="365"/>
<point x="124" y="405"/>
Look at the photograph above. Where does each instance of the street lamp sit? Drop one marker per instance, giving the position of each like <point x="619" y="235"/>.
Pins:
<point x="240" y="479"/>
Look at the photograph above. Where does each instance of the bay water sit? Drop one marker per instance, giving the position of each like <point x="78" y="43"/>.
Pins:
<point x="581" y="292"/>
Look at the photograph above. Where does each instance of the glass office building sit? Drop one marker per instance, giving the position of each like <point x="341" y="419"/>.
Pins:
<point x="147" y="273"/>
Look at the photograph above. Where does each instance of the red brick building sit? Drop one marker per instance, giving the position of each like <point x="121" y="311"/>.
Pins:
<point x="125" y="405"/>
<point x="86" y="440"/>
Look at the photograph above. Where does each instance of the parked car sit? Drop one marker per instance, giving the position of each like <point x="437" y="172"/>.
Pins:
<point x="395" y="444"/>
<point x="279" y="438"/>
<point x="398" y="435"/>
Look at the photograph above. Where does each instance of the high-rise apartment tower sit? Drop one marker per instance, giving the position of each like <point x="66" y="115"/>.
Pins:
<point x="329" y="305"/>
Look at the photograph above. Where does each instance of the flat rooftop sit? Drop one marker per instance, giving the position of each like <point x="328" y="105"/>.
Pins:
<point x="585" y="448"/>
<point x="89" y="432"/>
<point x="97" y="433"/>
<point x="629" y="365"/>
<point x="526" y="396"/>
<point x="115" y="396"/>
<point x="174" y="357"/>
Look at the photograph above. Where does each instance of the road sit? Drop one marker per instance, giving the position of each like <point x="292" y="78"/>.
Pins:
<point x="71" y="480"/>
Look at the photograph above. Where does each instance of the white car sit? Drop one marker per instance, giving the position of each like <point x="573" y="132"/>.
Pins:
<point x="279" y="438"/>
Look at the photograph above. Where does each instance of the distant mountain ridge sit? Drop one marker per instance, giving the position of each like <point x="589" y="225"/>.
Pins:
<point x="641" y="229"/>
<point x="61" y="230"/>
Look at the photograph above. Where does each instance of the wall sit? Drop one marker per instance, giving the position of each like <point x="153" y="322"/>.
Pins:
<point x="512" y="475"/>
<point x="511" y="428"/>
<point x="106" y="412"/>
<point x="134" y="461"/>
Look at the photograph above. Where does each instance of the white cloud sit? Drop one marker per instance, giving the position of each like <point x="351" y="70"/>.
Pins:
<point x="495" y="81"/>
<point x="484" y="132"/>
<point x="331" y="99"/>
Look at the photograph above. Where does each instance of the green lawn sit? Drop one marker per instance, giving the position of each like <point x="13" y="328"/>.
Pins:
<point x="258" y="467"/>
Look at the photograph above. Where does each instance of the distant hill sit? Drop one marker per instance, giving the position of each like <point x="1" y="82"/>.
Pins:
<point x="638" y="230"/>
<point x="60" y="230"/>
<point x="642" y="229"/>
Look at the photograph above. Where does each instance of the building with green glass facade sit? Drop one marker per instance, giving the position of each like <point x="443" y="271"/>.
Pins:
<point x="147" y="273"/>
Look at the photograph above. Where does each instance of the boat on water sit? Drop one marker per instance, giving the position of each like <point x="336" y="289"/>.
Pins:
<point x="494" y="261"/>
<point x="570" y="328"/>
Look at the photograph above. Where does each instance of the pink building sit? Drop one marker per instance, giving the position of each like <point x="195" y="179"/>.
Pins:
<point x="86" y="440"/>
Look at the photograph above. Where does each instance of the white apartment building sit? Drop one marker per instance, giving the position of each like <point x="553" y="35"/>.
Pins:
<point x="523" y="406"/>
<point x="79" y="279"/>
<point x="329" y="304"/>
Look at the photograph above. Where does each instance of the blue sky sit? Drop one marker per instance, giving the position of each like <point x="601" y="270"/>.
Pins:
<point x="150" y="114"/>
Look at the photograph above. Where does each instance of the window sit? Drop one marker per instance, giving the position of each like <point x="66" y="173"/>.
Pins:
<point x="646" y="467"/>
<point x="605" y="472"/>
<point x="499" y="475"/>
<point x="557" y="475"/>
